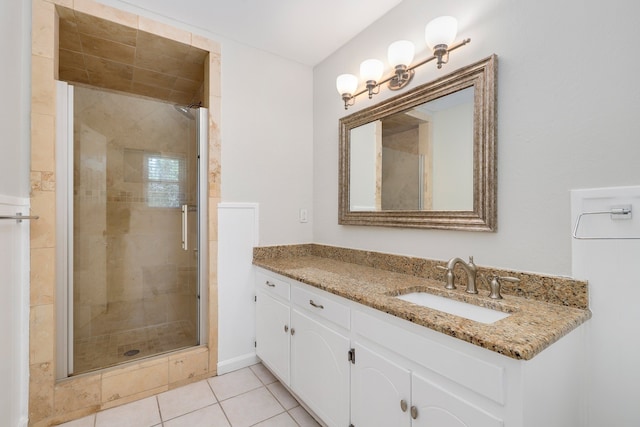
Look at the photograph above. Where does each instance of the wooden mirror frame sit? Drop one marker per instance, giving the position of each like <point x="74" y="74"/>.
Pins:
<point x="482" y="75"/>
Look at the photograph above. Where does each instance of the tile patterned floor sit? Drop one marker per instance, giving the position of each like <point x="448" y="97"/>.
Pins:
<point x="107" y="350"/>
<point x="247" y="397"/>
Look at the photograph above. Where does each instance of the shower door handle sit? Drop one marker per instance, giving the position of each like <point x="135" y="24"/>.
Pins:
<point x="185" y="224"/>
<point x="185" y="227"/>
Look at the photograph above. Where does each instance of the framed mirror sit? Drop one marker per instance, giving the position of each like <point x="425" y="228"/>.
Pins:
<point x="425" y="158"/>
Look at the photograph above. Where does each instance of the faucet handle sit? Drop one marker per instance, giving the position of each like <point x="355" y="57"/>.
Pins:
<point x="495" y="285"/>
<point x="448" y="276"/>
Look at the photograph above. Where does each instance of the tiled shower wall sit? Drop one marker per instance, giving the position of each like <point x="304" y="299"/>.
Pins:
<point x="129" y="268"/>
<point x="52" y="401"/>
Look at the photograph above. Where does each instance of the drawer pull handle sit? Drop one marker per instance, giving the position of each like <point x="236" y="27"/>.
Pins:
<point x="414" y="412"/>
<point x="403" y="405"/>
<point x="271" y="285"/>
<point x="316" y="305"/>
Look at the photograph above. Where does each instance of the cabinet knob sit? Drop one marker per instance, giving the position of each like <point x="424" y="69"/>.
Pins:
<point x="286" y="328"/>
<point x="293" y="331"/>
<point x="403" y="405"/>
<point x="414" y="412"/>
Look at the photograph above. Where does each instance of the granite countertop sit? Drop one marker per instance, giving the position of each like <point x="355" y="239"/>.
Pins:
<point x="532" y="326"/>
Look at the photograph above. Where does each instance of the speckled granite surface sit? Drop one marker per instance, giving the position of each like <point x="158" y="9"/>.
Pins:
<point x="543" y="308"/>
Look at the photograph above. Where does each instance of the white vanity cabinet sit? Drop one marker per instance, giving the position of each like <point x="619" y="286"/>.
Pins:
<point x="304" y="341"/>
<point x="319" y="355"/>
<point x="356" y="366"/>
<point x="388" y="388"/>
<point x="380" y="390"/>
<point x="273" y="324"/>
<point x="385" y="393"/>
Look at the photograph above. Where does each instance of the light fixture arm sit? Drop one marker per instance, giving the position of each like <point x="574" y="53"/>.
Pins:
<point x="373" y="88"/>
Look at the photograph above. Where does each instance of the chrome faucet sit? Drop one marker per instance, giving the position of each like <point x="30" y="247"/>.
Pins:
<point x="471" y="270"/>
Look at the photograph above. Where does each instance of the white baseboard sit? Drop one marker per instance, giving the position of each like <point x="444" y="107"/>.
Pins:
<point x="236" y="363"/>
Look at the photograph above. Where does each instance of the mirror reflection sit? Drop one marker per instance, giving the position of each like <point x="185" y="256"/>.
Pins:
<point x="417" y="159"/>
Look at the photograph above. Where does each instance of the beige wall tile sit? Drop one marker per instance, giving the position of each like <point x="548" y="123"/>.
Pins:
<point x="65" y="3"/>
<point x="215" y="86"/>
<point x="134" y="397"/>
<point x="71" y="59"/>
<point x="135" y="379"/>
<point x="213" y="219"/>
<point x="111" y="50"/>
<point x="121" y="385"/>
<point x="41" y="336"/>
<point x="43" y="275"/>
<point x="43" y="94"/>
<point x="35" y="179"/>
<point x="205" y="43"/>
<point x="163" y="30"/>
<point x="81" y="393"/>
<point x="188" y="365"/>
<point x="42" y="142"/>
<point x="40" y="392"/>
<point x="99" y="10"/>
<point x="43" y="29"/>
<point x="43" y="235"/>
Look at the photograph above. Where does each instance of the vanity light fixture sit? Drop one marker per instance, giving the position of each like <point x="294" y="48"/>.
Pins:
<point x="439" y="35"/>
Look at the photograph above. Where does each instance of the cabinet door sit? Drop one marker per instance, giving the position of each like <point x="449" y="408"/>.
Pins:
<point x="380" y="391"/>
<point x="272" y="334"/>
<point x="320" y="368"/>
<point x="436" y="407"/>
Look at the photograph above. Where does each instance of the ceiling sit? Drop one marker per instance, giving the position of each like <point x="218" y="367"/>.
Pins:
<point x="305" y="31"/>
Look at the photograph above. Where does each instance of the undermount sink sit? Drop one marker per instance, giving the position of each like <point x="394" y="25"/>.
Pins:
<point x="457" y="308"/>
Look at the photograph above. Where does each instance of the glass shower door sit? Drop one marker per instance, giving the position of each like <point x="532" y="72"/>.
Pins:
<point x="135" y="231"/>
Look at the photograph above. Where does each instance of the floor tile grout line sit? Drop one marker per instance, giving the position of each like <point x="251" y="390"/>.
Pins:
<point x="159" y="410"/>
<point x="190" y="412"/>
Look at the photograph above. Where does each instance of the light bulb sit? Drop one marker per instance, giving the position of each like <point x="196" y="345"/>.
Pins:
<point x="401" y="53"/>
<point x="441" y="30"/>
<point x="346" y="84"/>
<point x="371" y="70"/>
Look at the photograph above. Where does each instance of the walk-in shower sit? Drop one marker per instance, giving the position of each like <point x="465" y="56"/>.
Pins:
<point x="133" y="256"/>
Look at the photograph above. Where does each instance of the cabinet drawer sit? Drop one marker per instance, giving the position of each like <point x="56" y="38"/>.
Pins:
<point x="322" y="305"/>
<point x="272" y="284"/>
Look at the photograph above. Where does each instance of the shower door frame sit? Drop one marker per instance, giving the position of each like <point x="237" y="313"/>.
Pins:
<point x="64" y="229"/>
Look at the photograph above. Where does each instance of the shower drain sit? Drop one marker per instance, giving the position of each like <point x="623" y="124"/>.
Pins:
<point x="131" y="352"/>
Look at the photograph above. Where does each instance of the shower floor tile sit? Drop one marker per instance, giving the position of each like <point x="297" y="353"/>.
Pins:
<point x="110" y="349"/>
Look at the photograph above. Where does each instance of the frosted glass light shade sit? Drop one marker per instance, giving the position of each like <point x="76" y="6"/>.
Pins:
<point x="371" y="69"/>
<point x="346" y="83"/>
<point x="441" y="30"/>
<point x="401" y="53"/>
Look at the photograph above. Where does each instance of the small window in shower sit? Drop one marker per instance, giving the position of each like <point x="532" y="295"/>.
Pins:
<point x="165" y="176"/>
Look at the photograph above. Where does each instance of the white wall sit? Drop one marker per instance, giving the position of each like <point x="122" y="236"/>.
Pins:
<point x="267" y="130"/>
<point x="567" y="105"/>
<point x="14" y="190"/>
<point x="611" y="267"/>
<point x="15" y="46"/>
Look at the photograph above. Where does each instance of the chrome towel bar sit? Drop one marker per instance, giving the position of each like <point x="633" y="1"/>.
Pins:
<point x="616" y="213"/>
<point x="19" y="217"/>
